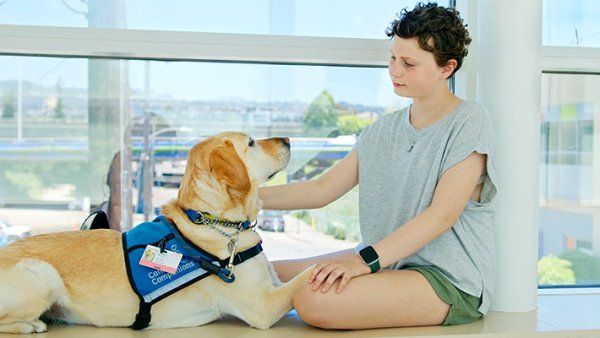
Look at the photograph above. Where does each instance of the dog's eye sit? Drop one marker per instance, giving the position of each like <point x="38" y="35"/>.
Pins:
<point x="251" y="143"/>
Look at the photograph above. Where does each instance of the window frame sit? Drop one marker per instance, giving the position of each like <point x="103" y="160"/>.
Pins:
<point x="126" y="44"/>
<point x="570" y="61"/>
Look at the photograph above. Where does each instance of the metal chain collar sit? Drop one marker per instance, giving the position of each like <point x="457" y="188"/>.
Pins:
<point x="231" y="246"/>
<point x="212" y="222"/>
<point x="207" y="219"/>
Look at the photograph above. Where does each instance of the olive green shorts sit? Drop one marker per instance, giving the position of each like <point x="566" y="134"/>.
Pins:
<point x="463" y="307"/>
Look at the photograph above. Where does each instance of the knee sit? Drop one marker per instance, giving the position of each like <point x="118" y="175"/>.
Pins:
<point x="313" y="307"/>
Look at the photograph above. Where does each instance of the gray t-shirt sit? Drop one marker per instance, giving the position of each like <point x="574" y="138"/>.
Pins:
<point x="399" y="168"/>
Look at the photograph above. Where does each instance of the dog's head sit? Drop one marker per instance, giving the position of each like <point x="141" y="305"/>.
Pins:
<point x="224" y="171"/>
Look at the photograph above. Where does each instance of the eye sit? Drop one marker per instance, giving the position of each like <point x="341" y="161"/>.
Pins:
<point x="251" y="143"/>
<point x="392" y="57"/>
<point x="407" y="64"/>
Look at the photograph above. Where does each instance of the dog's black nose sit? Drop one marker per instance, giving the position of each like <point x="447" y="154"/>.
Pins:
<point x="286" y="140"/>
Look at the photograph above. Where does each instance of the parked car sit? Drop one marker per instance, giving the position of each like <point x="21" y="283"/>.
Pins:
<point x="9" y="233"/>
<point x="169" y="173"/>
<point x="271" y="220"/>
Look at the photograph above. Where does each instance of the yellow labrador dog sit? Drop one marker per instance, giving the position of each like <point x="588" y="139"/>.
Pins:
<point x="80" y="277"/>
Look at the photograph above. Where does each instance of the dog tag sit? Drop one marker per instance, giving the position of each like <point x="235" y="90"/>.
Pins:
<point x="166" y="261"/>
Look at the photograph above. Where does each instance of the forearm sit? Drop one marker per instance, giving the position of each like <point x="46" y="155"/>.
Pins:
<point x="293" y="196"/>
<point x="412" y="236"/>
<point x="315" y="193"/>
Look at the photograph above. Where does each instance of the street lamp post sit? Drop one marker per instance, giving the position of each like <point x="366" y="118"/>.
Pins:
<point x="147" y="159"/>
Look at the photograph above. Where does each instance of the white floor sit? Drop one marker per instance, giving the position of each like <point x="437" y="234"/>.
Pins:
<point x="560" y="316"/>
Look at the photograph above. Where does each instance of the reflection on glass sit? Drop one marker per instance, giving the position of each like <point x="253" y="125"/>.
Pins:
<point x="63" y="122"/>
<point x="569" y="249"/>
<point x="571" y="23"/>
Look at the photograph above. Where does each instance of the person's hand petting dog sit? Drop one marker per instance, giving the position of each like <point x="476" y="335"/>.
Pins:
<point x="325" y="274"/>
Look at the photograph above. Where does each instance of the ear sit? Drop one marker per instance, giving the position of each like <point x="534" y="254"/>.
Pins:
<point x="226" y="166"/>
<point x="448" y="69"/>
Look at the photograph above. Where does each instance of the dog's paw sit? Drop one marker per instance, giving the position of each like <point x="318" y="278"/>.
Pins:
<point x="38" y="326"/>
<point x="262" y="325"/>
<point x="35" y="326"/>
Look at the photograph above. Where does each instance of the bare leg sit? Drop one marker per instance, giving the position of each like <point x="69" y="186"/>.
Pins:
<point x="287" y="269"/>
<point x="383" y="299"/>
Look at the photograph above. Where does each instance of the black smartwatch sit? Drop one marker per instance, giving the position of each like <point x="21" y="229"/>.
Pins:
<point x="371" y="258"/>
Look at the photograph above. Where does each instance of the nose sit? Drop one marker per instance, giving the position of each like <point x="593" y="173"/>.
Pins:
<point x="286" y="140"/>
<point x="395" y="71"/>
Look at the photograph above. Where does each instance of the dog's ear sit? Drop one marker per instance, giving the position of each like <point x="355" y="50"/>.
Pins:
<point x="227" y="166"/>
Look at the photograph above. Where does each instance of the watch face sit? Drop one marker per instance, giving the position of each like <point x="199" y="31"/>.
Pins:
<point x="368" y="254"/>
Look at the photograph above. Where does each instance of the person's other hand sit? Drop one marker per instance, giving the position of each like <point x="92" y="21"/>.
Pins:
<point x="326" y="273"/>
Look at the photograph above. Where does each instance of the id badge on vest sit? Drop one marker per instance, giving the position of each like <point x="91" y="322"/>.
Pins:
<point x="166" y="261"/>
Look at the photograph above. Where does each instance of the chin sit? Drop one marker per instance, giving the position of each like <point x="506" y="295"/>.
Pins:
<point x="401" y="91"/>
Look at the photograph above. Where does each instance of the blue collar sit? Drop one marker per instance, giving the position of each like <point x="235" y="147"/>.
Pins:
<point x="187" y="248"/>
<point x="199" y="217"/>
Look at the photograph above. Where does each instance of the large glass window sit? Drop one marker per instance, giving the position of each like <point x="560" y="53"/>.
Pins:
<point x="334" y="18"/>
<point x="64" y="120"/>
<point x="570" y="180"/>
<point x="571" y="23"/>
<point x="75" y="132"/>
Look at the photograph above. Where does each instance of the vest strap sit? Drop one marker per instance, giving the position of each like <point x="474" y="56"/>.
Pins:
<point x="142" y="319"/>
<point x="240" y="257"/>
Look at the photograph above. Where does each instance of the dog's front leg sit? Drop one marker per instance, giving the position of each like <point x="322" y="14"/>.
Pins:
<point x="272" y="303"/>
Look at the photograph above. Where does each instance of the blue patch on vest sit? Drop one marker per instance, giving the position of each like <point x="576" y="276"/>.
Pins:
<point x="152" y="285"/>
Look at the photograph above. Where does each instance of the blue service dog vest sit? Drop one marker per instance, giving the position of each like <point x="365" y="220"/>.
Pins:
<point x="152" y="285"/>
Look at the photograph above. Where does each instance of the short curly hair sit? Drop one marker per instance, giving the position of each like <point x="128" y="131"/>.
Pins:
<point x="442" y="25"/>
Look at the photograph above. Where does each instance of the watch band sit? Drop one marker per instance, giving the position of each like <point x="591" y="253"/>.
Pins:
<point x="371" y="258"/>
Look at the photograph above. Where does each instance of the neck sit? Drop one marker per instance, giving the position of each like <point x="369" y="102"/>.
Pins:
<point x="203" y="236"/>
<point x="217" y="201"/>
<point x="435" y="105"/>
<point x="211" y="196"/>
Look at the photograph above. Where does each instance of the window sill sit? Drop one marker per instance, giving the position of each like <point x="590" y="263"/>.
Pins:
<point x="569" y="291"/>
<point x="557" y="316"/>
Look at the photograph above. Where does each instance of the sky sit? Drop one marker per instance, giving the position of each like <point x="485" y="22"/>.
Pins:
<point x="212" y="81"/>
